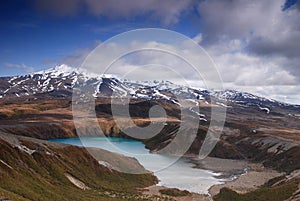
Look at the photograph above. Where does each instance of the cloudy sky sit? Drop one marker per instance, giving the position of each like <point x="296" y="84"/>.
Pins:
<point x="255" y="44"/>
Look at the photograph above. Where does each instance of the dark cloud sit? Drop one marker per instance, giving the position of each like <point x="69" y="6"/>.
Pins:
<point x="288" y="47"/>
<point x="266" y="29"/>
<point x="287" y="50"/>
<point x="58" y="7"/>
<point x="167" y="11"/>
<point x="235" y="18"/>
<point x="254" y="43"/>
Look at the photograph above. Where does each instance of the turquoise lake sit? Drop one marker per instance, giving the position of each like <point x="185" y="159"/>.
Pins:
<point x="170" y="171"/>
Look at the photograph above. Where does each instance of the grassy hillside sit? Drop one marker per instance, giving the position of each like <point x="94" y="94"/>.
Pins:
<point x="36" y="170"/>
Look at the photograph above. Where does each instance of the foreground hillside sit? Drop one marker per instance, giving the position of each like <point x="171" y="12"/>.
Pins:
<point x="38" y="170"/>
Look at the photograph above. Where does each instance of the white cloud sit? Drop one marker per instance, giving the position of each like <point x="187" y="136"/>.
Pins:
<point x="153" y="54"/>
<point x="23" y="67"/>
<point x="198" y="38"/>
<point x="255" y="44"/>
<point x="58" y="7"/>
<point x="248" y="70"/>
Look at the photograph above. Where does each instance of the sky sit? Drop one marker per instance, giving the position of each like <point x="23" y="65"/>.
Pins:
<point x="255" y="44"/>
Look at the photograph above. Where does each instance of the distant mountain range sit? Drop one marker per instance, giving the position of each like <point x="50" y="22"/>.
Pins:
<point x="60" y="81"/>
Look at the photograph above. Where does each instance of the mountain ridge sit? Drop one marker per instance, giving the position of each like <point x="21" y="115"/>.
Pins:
<point x="62" y="79"/>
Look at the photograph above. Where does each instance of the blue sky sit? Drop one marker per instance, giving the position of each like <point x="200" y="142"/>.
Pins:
<point x="39" y="39"/>
<point x="254" y="43"/>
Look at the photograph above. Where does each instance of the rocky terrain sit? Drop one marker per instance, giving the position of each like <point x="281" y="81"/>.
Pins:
<point x="39" y="106"/>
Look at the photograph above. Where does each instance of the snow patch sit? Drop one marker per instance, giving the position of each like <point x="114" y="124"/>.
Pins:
<point x="46" y="82"/>
<point x="26" y="149"/>
<point x="77" y="182"/>
<point x="97" y="90"/>
<point x="12" y="79"/>
<point x="106" y="164"/>
<point x="265" y="109"/>
<point x="1" y="161"/>
<point x="6" y="90"/>
<point x="194" y="101"/>
<point x="221" y="104"/>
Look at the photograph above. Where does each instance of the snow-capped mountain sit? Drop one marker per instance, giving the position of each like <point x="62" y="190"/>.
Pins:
<point x="60" y="81"/>
<point x="64" y="78"/>
<point x="248" y="99"/>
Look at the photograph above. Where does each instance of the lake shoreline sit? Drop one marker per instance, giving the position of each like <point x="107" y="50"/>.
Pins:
<point x="255" y="176"/>
<point x="165" y="168"/>
<point x="239" y="175"/>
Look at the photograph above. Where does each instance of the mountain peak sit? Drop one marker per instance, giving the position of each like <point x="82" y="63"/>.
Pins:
<point x="59" y="70"/>
<point x="64" y="68"/>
